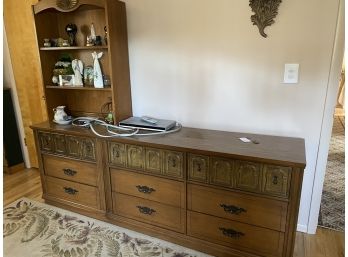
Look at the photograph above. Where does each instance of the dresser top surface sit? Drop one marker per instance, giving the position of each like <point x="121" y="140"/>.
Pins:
<point x="275" y="149"/>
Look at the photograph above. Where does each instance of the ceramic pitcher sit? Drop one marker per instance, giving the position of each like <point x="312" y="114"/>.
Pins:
<point x="59" y="113"/>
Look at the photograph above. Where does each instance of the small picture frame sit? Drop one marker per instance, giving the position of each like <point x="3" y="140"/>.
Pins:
<point x="66" y="80"/>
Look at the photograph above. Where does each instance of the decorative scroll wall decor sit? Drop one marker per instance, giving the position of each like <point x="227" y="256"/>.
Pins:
<point x="265" y="12"/>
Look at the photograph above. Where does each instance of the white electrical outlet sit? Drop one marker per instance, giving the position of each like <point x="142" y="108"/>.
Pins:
<point x="291" y="73"/>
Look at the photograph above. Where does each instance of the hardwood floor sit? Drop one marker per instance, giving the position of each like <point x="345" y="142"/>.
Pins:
<point x="326" y="243"/>
<point x="25" y="183"/>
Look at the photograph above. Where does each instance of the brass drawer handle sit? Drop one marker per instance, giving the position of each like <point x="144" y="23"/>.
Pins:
<point x="70" y="190"/>
<point x="145" y="189"/>
<point x="232" y="209"/>
<point x="69" y="172"/>
<point x="145" y="210"/>
<point x="199" y="168"/>
<point x="275" y="180"/>
<point x="231" y="233"/>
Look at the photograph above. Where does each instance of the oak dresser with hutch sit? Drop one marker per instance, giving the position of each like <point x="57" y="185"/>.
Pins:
<point x="203" y="189"/>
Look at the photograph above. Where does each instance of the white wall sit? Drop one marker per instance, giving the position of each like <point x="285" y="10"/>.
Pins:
<point x="203" y="63"/>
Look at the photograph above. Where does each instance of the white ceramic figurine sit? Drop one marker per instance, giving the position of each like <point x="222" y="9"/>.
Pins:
<point x="77" y="67"/>
<point x="97" y="74"/>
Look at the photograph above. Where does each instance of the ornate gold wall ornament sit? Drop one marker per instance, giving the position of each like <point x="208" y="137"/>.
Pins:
<point x="66" y="4"/>
<point x="265" y="12"/>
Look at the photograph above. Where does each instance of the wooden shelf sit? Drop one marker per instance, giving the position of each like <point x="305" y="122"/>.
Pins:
<point x="79" y="88"/>
<point x="114" y="61"/>
<point x="72" y="48"/>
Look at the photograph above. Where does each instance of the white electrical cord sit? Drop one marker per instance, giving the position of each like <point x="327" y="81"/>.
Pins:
<point x="89" y="122"/>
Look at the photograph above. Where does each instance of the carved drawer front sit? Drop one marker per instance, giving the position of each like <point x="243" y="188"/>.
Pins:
<point x="173" y="164"/>
<point x="46" y="142"/>
<point x="276" y="180"/>
<point x="198" y="167"/>
<point x="261" y="241"/>
<point x="248" y="176"/>
<point x="257" y="211"/>
<point x="72" y="191"/>
<point x="117" y="154"/>
<point x="59" y="144"/>
<point x="153" y="160"/>
<point x="77" y="171"/>
<point x="135" y="157"/>
<point x="151" y="188"/>
<point x="88" y="149"/>
<point x="73" y="145"/>
<point x="221" y="172"/>
<point x="151" y="212"/>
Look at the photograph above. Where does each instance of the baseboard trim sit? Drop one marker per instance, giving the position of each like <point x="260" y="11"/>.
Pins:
<point x="302" y="228"/>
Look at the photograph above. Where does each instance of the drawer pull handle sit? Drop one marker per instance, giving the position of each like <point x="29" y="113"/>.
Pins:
<point x="70" y="190"/>
<point x="232" y="209"/>
<point x="145" y="210"/>
<point x="275" y="180"/>
<point x="199" y="168"/>
<point x="231" y="233"/>
<point x="69" y="172"/>
<point x="145" y="189"/>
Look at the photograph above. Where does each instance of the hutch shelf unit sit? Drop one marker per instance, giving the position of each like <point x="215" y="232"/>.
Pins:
<point x="51" y="18"/>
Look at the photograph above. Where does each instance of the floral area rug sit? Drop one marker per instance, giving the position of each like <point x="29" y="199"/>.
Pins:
<point x="33" y="229"/>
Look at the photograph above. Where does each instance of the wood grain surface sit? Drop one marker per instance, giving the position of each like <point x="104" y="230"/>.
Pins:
<point x="19" y="25"/>
<point x="265" y="242"/>
<point x="326" y="243"/>
<point x="71" y="191"/>
<point x="285" y="151"/>
<point x="156" y="189"/>
<point x="77" y="171"/>
<point x="160" y="215"/>
<point x="256" y="210"/>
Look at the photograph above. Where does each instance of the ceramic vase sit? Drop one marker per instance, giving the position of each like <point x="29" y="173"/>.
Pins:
<point x="77" y="67"/>
<point x="97" y="74"/>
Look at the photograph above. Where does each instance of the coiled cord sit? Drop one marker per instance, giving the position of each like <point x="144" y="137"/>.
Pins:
<point x="89" y="122"/>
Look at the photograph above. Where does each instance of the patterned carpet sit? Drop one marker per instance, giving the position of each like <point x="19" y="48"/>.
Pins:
<point x="332" y="203"/>
<point x="34" y="229"/>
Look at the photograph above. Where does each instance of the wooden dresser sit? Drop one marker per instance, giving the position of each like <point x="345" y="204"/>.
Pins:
<point x="203" y="189"/>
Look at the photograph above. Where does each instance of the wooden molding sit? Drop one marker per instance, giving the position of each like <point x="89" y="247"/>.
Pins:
<point x="65" y="5"/>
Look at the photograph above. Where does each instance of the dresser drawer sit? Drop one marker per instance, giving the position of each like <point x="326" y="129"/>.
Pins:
<point x="239" y="207"/>
<point x="276" y="180"/>
<point x="77" y="171"/>
<point x="262" y="241"/>
<point x="148" y="187"/>
<point x="149" y="212"/>
<point x="75" y="192"/>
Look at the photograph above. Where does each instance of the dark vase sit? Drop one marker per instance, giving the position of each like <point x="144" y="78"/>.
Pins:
<point x="71" y="30"/>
